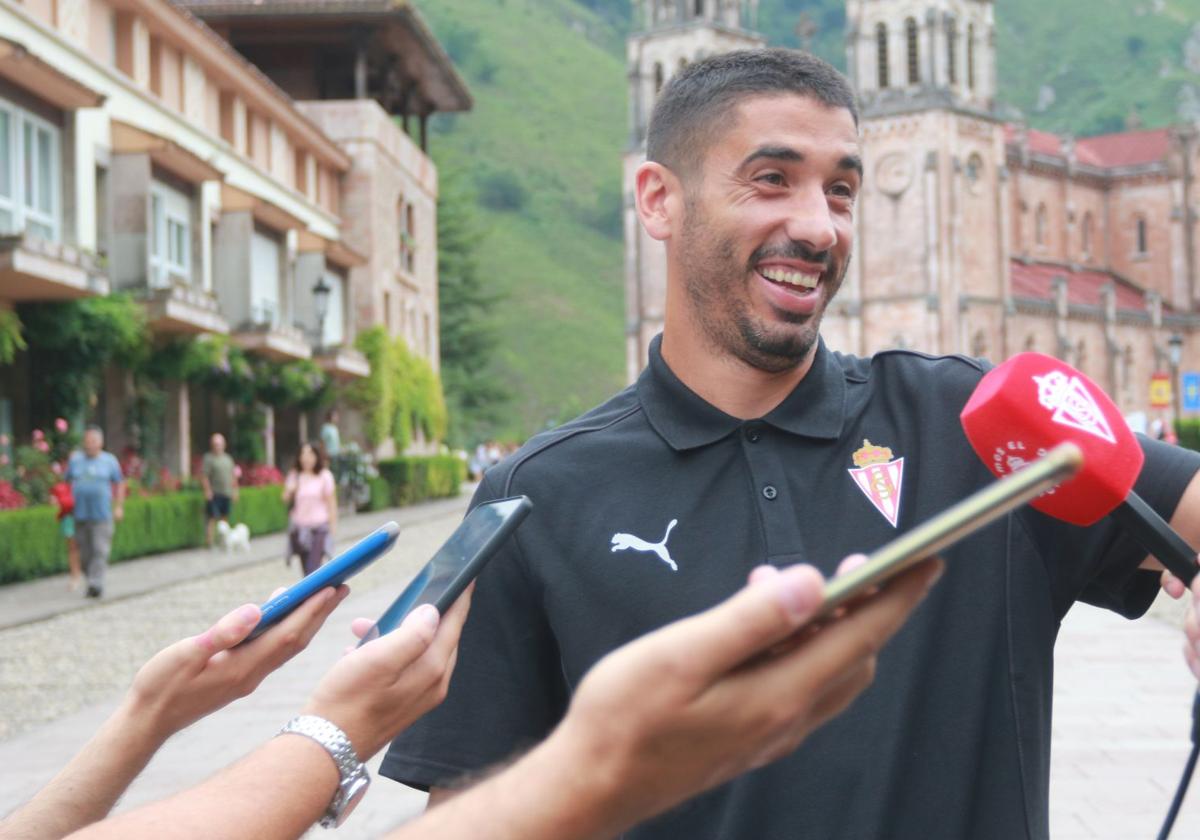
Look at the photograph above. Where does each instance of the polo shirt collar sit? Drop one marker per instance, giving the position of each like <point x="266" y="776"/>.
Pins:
<point x="815" y="408"/>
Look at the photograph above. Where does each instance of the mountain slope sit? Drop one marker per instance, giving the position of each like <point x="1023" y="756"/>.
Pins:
<point x="542" y="147"/>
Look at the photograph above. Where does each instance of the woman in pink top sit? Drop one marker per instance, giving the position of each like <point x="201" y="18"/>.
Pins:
<point x="311" y="492"/>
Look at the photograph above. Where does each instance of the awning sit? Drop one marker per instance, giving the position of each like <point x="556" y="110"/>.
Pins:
<point x="29" y="72"/>
<point x="129" y="139"/>
<point x="271" y="215"/>
<point x="335" y="251"/>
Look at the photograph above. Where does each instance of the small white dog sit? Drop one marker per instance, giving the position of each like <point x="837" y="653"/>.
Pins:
<point x="233" y="537"/>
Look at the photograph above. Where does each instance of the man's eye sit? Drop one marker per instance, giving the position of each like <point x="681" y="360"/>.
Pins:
<point x="842" y="191"/>
<point x="773" y="178"/>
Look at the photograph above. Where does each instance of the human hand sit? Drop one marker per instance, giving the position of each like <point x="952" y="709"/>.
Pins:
<point x="378" y="689"/>
<point x="196" y="676"/>
<point x="712" y="696"/>
<point x="118" y="513"/>
<point x="1191" y="629"/>
<point x="1172" y="585"/>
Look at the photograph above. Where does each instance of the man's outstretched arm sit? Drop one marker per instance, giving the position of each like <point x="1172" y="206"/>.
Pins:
<point x="685" y="709"/>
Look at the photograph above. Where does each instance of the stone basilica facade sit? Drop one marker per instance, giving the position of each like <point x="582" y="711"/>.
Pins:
<point x="973" y="235"/>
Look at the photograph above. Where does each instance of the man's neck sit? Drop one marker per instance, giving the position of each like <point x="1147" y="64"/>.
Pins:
<point x="738" y="389"/>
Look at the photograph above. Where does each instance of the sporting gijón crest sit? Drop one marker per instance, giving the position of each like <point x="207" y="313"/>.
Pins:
<point x="879" y="476"/>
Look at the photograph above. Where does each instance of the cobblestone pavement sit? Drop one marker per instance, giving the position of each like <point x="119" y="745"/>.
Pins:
<point x="1122" y="697"/>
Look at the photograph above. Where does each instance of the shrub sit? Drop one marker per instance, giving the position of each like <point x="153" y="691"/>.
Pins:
<point x="30" y="544"/>
<point x="381" y="494"/>
<point x="1188" y="430"/>
<point x="413" y="479"/>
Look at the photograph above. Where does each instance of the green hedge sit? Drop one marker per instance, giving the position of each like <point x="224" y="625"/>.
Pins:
<point x="413" y="479"/>
<point x="1188" y="430"/>
<point x="30" y="545"/>
<point x="381" y="494"/>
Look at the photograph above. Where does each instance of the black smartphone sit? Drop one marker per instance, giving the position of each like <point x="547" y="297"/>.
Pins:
<point x="457" y="562"/>
<point x="954" y="523"/>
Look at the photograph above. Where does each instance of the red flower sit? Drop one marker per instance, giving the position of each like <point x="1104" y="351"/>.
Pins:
<point x="60" y="425"/>
<point x="38" y="435"/>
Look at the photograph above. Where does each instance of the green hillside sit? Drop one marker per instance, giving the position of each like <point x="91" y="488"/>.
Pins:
<point x="542" y="148"/>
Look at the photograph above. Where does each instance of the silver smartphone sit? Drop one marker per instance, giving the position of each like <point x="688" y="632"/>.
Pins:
<point x="954" y="523"/>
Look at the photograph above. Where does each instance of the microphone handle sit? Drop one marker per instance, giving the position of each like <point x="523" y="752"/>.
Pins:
<point x="1157" y="537"/>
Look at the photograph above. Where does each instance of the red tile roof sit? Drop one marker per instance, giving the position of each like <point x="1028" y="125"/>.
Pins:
<point x="1126" y="148"/>
<point x="1035" y="280"/>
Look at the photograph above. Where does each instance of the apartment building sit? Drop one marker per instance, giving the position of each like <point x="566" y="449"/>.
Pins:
<point x="141" y="152"/>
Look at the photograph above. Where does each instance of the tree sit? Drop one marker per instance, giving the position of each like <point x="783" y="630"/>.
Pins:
<point x="469" y="338"/>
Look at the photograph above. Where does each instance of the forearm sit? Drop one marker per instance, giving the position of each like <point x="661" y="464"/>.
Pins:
<point x="119" y="494"/>
<point x="276" y="792"/>
<point x="88" y="787"/>
<point x="552" y="793"/>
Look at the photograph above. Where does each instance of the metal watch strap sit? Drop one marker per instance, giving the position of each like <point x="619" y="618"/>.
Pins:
<point x="335" y="742"/>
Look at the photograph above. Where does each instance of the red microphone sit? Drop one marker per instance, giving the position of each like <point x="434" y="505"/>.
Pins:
<point x="1031" y="403"/>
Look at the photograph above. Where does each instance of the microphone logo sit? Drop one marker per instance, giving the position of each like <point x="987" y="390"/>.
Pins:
<point x="1072" y="404"/>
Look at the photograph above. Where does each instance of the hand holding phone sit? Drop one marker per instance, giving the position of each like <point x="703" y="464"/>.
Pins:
<point x="347" y="564"/>
<point x="954" y="523"/>
<point x="457" y="562"/>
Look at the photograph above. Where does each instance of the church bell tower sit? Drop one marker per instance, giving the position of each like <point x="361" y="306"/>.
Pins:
<point x="931" y="264"/>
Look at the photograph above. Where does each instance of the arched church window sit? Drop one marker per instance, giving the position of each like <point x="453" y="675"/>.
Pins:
<point x="881" y="49"/>
<point x="974" y="169"/>
<point x="1039" y="225"/>
<point x="1088" y="232"/>
<point x="914" y="51"/>
<point x="658" y="76"/>
<point x="698" y="8"/>
<point x="951" y="52"/>
<point x="1143" y="244"/>
<point x="971" y="56"/>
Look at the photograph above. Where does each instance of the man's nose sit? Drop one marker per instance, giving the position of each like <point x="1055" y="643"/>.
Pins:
<point x="810" y="222"/>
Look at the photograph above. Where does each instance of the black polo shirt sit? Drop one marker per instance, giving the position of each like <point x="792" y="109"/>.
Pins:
<point x="953" y="738"/>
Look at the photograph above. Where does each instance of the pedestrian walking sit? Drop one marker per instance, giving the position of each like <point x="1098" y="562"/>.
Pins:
<point x="310" y="492"/>
<point x="218" y="479"/>
<point x="98" y="489"/>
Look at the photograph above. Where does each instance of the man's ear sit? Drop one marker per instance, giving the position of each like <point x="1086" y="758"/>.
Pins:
<point x="659" y="198"/>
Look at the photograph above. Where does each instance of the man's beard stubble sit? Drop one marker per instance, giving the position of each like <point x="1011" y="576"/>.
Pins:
<point x="716" y="288"/>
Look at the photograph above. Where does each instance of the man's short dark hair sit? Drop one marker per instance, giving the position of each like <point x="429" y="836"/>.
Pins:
<point x="694" y="105"/>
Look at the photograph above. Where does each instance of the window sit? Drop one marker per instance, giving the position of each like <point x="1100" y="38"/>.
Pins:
<point x="1088" y="233"/>
<point x="264" y="279"/>
<point x="971" y="56"/>
<point x="914" y="52"/>
<point x="698" y="8"/>
<point x="30" y="168"/>
<point x="410" y="229"/>
<point x="170" y="235"/>
<point x="1039" y="225"/>
<point x="951" y="53"/>
<point x="1143" y="245"/>
<point x="881" y="50"/>
<point x="334" y="328"/>
<point x="658" y="76"/>
<point x="974" y="171"/>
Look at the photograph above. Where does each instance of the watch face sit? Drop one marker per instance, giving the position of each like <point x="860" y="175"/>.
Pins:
<point x="354" y="794"/>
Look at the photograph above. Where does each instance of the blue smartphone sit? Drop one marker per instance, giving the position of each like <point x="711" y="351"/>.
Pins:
<point x="456" y="563"/>
<point x="347" y="564"/>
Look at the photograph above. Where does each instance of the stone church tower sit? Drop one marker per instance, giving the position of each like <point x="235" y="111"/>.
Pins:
<point x="673" y="33"/>
<point x="931" y="262"/>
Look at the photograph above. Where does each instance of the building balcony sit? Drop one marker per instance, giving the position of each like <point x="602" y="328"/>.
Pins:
<point x="344" y="363"/>
<point x="33" y="269"/>
<point x="273" y="340"/>
<point x="182" y="308"/>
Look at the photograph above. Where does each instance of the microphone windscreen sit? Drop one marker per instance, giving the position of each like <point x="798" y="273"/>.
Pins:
<point x="1031" y="403"/>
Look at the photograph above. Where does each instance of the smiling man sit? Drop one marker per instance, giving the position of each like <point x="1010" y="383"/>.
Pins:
<point x="746" y="441"/>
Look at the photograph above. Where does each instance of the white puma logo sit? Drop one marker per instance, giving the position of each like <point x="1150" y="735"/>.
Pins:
<point x="621" y="542"/>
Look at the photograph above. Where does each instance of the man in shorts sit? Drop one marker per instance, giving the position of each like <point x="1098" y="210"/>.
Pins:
<point x="218" y="479"/>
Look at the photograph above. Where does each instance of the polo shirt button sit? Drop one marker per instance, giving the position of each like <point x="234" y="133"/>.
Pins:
<point x="752" y="434"/>
<point x="769" y="492"/>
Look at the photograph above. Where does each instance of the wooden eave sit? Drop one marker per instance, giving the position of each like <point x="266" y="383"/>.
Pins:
<point x="29" y="72"/>
<point x="129" y="139"/>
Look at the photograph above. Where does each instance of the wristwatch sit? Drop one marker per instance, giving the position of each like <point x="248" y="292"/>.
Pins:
<point x="353" y="773"/>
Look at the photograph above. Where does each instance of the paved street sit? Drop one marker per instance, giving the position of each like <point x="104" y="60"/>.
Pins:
<point x="1122" y="700"/>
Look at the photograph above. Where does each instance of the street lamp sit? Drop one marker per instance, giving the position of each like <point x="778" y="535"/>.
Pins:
<point x="1175" y="354"/>
<point x="320" y="293"/>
